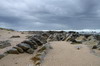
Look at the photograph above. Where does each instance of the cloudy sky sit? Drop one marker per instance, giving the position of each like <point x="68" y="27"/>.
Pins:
<point x="50" y="14"/>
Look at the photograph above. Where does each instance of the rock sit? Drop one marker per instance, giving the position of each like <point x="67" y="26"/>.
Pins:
<point x="4" y="44"/>
<point x="30" y="51"/>
<point x="1" y="56"/>
<point x="32" y="44"/>
<point x="37" y="59"/>
<point x="13" y="51"/>
<point x="97" y="37"/>
<point x="76" y="42"/>
<point x="24" y="46"/>
<point x="15" y="37"/>
<point x="19" y="49"/>
<point x="42" y="49"/>
<point x="41" y="38"/>
<point x="94" y="47"/>
<point x="37" y="41"/>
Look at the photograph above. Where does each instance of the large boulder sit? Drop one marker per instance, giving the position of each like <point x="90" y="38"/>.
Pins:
<point x="4" y="44"/>
<point x="24" y="46"/>
<point x="13" y="51"/>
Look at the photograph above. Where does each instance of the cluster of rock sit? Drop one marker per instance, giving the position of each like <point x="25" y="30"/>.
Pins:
<point x="4" y="44"/>
<point x="93" y="41"/>
<point x="71" y="36"/>
<point x="57" y="37"/>
<point x="27" y="46"/>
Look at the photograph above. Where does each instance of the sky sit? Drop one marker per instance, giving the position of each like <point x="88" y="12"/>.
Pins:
<point x="50" y="14"/>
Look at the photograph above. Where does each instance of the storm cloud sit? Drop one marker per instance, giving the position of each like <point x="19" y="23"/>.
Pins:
<point x="50" y="14"/>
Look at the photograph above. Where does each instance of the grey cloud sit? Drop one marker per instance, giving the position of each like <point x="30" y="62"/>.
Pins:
<point x="50" y="14"/>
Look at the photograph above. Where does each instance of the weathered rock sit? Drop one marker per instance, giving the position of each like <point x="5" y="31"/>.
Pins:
<point x="97" y="37"/>
<point x="35" y="44"/>
<point x="37" y="41"/>
<point x="42" y="49"/>
<point x="1" y="56"/>
<point x="24" y="46"/>
<point x="45" y="47"/>
<point x="76" y="42"/>
<point x="4" y="44"/>
<point x="15" y="37"/>
<point x="41" y="38"/>
<point x="94" y="47"/>
<point x="32" y="44"/>
<point x="30" y="51"/>
<point x="13" y="51"/>
<point x="19" y="49"/>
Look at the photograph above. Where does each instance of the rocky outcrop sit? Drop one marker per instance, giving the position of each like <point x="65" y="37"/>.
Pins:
<point x="39" y="57"/>
<point x="57" y="37"/>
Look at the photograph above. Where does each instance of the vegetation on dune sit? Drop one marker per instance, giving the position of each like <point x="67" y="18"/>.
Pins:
<point x="6" y="29"/>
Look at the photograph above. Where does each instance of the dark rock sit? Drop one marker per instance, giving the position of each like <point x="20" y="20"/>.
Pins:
<point x="19" y="49"/>
<point x="31" y="43"/>
<point x="41" y="38"/>
<point x="97" y="37"/>
<point x="1" y="56"/>
<point x="94" y="47"/>
<point x="30" y="51"/>
<point x="39" y="43"/>
<point x="13" y="51"/>
<point x="4" y="44"/>
<point x="24" y="46"/>
<point x="15" y="37"/>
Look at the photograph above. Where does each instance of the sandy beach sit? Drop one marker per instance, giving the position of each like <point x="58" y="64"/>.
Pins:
<point x="65" y="54"/>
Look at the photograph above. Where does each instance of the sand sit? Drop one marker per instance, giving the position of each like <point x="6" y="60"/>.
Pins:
<point x="65" y="54"/>
<point x="5" y="35"/>
<point x="62" y="54"/>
